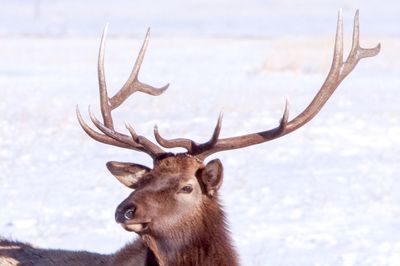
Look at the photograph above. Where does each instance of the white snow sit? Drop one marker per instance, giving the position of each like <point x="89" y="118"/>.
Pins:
<point x="327" y="194"/>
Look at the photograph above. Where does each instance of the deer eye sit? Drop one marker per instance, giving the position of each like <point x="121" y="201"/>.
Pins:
<point x="186" y="189"/>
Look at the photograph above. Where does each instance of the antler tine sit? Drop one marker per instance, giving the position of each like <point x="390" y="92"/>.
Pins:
<point x="357" y="52"/>
<point x="213" y="140"/>
<point x="111" y="133"/>
<point x="173" y="143"/>
<point x="104" y="100"/>
<point x="192" y="147"/>
<point x="336" y="75"/>
<point x="111" y="136"/>
<point x="133" y="84"/>
<point x="147" y="145"/>
<point x="217" y="131"/>
<point x="97" y="136"/>
<point x="338" y="51"/>
<point x="285" y="117"/>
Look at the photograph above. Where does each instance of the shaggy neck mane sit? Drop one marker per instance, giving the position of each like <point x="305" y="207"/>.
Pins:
<point x="203" y="241"/>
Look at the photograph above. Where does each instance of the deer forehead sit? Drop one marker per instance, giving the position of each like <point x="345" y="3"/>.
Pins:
<point x="181" y="166"/>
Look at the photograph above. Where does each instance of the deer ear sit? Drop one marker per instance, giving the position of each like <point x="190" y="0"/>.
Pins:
<point x="212" y="176"/>
<point x="127" y="173"/>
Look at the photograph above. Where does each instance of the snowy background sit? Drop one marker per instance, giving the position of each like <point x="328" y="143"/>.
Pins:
<point x="327" y="194"/>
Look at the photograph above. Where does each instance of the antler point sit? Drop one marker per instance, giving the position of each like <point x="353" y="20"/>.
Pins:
<point x="146" y="38"/>
<point x="127" y="124"/>
<point x="78" y="113"/>
<point x="164" y="88"/>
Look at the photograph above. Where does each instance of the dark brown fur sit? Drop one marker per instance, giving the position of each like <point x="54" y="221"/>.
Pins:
<point x="21" y="254"/>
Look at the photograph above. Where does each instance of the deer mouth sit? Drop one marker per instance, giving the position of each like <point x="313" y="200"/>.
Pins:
<point x="136" y="227"/>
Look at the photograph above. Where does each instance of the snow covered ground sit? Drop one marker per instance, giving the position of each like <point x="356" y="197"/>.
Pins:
<point x="328" y="194"/>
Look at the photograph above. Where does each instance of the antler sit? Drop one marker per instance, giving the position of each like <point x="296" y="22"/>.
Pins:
<point x="132" y="85"/>
<point x="339" y="70"/>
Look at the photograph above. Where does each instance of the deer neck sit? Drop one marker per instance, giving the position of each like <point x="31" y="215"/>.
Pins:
<point x="206" y="243"/>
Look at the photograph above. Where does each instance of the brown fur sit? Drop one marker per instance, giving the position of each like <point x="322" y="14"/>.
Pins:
<point x="201" y="242"/>
<point x="197" y="236"/>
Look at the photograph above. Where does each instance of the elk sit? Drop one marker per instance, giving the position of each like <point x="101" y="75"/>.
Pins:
<point x="174" y="206"/>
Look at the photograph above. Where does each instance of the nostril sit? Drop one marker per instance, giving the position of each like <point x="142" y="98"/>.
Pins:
<point x="130" y="213"/>
<point x="124" y="213"/>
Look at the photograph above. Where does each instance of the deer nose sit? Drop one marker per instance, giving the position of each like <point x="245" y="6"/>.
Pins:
<point x="124" y="214"/>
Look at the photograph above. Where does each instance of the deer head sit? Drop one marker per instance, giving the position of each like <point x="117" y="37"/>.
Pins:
<point x="181" y="189"/>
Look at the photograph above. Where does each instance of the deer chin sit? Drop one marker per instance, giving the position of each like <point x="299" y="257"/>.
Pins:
<point x="135" y="227"/>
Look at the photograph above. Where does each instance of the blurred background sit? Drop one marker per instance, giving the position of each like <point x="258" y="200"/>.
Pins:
<point x="327" y="194"/>
<point x="204" y="18"/>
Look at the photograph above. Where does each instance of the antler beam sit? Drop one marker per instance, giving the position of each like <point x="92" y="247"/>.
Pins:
<point x="339" y="70"/>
